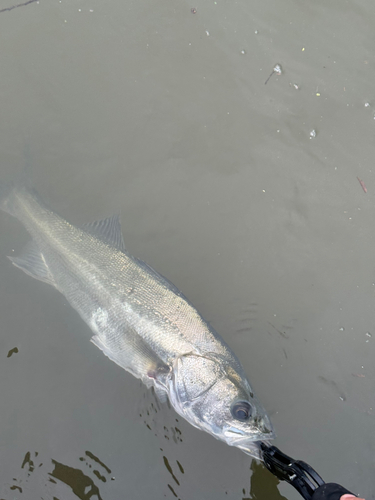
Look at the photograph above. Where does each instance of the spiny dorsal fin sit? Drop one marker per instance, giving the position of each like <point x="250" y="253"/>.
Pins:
<point x="107" y="230"/>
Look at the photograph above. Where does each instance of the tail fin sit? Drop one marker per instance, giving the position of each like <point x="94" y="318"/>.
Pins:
<point x="6" y="197"/>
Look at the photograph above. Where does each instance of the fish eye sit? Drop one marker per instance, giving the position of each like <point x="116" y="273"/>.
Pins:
<point x="241" y="410"/>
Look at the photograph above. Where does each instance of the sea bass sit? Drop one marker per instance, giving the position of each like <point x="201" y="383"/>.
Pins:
<point x="140" y="320"/>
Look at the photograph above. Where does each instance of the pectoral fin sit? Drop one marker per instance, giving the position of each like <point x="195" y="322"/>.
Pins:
<point x="161" y="394"/>
<point x="137" y="358"/>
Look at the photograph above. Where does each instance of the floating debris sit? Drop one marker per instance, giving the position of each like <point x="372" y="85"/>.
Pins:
<point x="277" y="69"/>
<point x="12" y="351"/>
<point x="18" y="5"/>
<point x="312" y="134"/>
<point x="362" y="185"/>
<point x="193" y="10"/>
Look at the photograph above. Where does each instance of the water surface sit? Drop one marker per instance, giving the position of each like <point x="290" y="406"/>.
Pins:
<point x="244" y="195"/>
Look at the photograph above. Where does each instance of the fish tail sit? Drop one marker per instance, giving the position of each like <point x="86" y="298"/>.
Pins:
<point x="20" y="184"/>
<point x="7" y="198"/>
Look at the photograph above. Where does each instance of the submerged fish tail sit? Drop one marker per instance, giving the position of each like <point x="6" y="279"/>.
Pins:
<point x="24" y="203"/>
<point x="7" y="199"/>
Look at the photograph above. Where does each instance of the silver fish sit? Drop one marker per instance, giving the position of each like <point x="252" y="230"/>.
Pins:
<point x="140" y="320"/>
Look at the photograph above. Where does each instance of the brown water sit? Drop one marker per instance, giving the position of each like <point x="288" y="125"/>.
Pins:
<point x="162" y="114"/>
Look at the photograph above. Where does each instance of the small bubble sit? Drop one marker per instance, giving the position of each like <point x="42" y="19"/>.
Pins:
<point x="342" y="329"/>
<point x="312" y="134"/>
<point x="207" y="33"/>
<point x="367" y="104"/>
<point x="296" y="86"/>
<point x="243" y="52"/>
<point x="91" y="10"/>
<point x="368" y="334"/>
<point x="79" y="10"/>
<point x="256" y="32"/>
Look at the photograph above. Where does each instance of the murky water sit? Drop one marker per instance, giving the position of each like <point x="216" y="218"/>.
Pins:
<point x="244" y="195"/>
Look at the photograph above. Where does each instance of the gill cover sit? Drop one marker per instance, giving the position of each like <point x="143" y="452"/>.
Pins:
<point x="194" y="375"/>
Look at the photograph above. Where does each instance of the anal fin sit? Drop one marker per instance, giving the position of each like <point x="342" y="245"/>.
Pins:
<point x="32" y="262"/>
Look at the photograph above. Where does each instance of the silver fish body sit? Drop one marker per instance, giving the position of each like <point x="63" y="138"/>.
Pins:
<point x="140" y="320"/>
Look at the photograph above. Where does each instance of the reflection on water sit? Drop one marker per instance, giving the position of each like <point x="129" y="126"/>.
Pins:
<point x="246" y="318"/>
<point x="169" y="469"/>
<point x="83" y="486"/>
<point x="263" y="484"/>
<point x="96" y="459"/>
<point x="53" y="478"/>
<point x="148" y="411"/>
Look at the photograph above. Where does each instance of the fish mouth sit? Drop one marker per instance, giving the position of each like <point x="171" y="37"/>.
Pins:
<point x="254" y="448"/>
<point x="251" y="445"/>
<point x="262" y="429"/>
<point x="239" y="438"/>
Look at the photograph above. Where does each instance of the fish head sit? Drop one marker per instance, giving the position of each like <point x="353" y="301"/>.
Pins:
<point x="214" y="395"/>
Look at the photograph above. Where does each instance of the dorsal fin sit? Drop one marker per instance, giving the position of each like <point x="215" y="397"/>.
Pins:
<point x="108" y="230"/>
